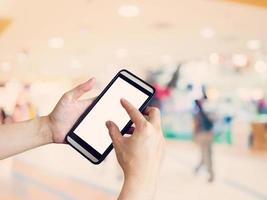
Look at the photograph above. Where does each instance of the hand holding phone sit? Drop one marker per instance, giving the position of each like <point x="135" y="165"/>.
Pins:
<point x="89" y="135"/>
<point x="68" y="110"/>
<point x="139" y="155"/>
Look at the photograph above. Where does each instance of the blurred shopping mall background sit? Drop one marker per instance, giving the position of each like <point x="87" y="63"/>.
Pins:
<point x="47" y="47"/>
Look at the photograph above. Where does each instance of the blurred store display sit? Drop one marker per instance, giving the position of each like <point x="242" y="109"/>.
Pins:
<point x="234" y="104"/>
<point x="181" y="47"/>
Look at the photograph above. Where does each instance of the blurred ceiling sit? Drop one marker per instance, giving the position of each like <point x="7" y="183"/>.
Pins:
<point x="253" y="2"/>
<point x="4" y="24"/>
<point x="78" y="38"/>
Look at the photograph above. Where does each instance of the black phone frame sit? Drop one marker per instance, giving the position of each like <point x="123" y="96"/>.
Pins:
<point x="85" y="145"/>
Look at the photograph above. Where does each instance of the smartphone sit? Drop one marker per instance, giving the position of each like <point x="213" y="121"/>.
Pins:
<point x="89" y="135"/>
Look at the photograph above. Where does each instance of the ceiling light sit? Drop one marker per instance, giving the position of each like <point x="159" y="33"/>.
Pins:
<point x="260" y="66"/>
<point x="253" y="44"/>
<point x="5" y="66"/>
<point x="129" y="11"/>
<point x="56" y="42"/>
<point x="240" y="60"/>
<point x="207" y="33"/>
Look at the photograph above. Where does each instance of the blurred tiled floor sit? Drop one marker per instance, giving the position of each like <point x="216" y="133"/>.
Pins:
<point x="58" y="172"/>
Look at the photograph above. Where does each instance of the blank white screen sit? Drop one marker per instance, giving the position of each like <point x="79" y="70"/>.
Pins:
<point x="93" y="130"/>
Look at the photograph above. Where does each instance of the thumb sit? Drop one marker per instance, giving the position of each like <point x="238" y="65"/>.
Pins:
<point x="79" y="90"/>
<point x="114" y="133"/>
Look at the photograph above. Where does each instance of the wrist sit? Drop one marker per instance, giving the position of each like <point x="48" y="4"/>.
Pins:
<point x="136" y="187"/>
<point x="45" y="130"/>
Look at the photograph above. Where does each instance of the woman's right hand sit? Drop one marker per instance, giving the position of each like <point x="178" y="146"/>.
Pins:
<point x="139" y="155"/>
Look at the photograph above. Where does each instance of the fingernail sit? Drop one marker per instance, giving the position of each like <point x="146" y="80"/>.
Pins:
<point x="92" y="79"/>
<point x="123" y="100"/>
<point x="108" y="123"/>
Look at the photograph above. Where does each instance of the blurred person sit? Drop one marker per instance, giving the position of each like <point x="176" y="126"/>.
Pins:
<point x="32" y="110"/>
<point x="9" y="119"/>
<point x="262" y="106"/>
<point x="139" y="155"/>
<point x="175" y="77"/>
<point x="24" y="109"/>
<point x="161" y="91"/>
<point x="24" y="112"/>
<point x="5" y="118"/>
<point x="164" y="91"/>
<point x="2" y="116"/>
<point x="203" y="135"/>
<point x="19" y="113"/>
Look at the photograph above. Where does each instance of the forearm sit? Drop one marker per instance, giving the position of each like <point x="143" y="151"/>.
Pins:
<point x="19" y="137"/>
<point x="135" y="189"/>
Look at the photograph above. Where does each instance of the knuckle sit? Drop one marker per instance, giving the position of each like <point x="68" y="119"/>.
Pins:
<point x="143" y="126"/>
<point x="66" y="95"/>
<point x="155" y="110"/>
<point x="146" y="124"/>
